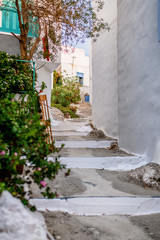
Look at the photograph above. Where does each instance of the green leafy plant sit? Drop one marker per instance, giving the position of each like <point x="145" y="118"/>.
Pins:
<point x="23" y="138"/>
<point x="67" y="110"/>
<point x="15" y="76"/>
<point x="65" y="92"/>
<point x="23" y="142"/>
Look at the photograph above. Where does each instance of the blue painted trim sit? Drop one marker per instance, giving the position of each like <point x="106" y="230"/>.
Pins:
<point x="8" y="23"/>
<point x="81" y="77"/>
<point x="78" y="74"/>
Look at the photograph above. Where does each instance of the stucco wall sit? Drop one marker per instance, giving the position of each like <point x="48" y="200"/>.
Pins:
<point x="138" y="75"/>
<point x="104" y="78"/>
<point x="9" y="44"/>
<point x="73" y="60"/>
<point x="45" y="74"/>
<point x="90" y="72"/>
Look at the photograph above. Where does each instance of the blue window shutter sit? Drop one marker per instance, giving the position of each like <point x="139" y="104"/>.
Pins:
<point x="81" y="77"/>
<point x="10" y="22"/>
<point x="80" y="74"/>
<point x="158" y="20"/>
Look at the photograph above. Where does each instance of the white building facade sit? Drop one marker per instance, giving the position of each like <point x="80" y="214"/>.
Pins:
<point x="74" y="62"/>
<point x="126" y="76"/>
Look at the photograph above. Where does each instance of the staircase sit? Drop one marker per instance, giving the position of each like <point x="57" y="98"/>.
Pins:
<point x="89" y="160"/>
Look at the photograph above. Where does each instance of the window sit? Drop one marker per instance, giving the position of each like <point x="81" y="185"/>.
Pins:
<point x="80" y="77"/>
<point x="9" y="20"/>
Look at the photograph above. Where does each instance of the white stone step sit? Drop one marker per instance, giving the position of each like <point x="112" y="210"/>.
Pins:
<point x="83" y="144"/>
<point x="101" y="205"/>
<point x="69" y="133"/>
<point x="72" y="126"/>
<point x="109" y="163"/>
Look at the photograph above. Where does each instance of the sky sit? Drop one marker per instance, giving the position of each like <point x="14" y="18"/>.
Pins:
<point x="84" y="46"/>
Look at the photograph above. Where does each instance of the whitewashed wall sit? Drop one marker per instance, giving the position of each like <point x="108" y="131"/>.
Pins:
<point x="139" y="76"/>
<point x="104" y="79"/>
<point x="73" y="60"/>
<point x="45" y="74"/>
<point x="90" y="72"/>
<point x="9" y="44"/>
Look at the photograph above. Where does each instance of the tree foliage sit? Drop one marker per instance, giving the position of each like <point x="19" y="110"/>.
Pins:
<point x="58" y="21"/>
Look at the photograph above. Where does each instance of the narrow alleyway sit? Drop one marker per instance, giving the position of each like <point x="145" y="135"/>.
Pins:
<point x="95" y="202"/>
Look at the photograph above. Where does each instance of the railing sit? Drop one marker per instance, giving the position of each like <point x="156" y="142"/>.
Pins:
<point x="45" y="116"/>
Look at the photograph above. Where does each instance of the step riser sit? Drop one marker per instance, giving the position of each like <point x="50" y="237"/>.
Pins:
<point x="83" y="144"/>
<point x="68" y="134"/>
<point x="108" y="163"/>
<point x="100" y="206"/>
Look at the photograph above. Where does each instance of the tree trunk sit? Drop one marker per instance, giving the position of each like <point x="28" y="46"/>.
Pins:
<point x="23" y="52"/>
<point x="23" y="45"/>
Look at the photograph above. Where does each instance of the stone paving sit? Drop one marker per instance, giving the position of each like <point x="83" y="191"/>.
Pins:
<point x="84" y="158"/>
<point x="93" y="202"/>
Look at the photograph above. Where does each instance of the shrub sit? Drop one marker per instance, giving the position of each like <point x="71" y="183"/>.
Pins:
<point x="66" y="110"/>
<point x="65" y="92"/>
<point x="23" y="141"/>
<point x="15" y="76"/>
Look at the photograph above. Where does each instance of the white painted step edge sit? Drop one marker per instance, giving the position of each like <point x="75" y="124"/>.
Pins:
<point x="108" y="163"/>
<point x="66" y="134"/>
<point x="83" y="144"/>
<point x="100" y="206"/>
